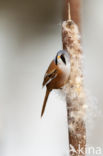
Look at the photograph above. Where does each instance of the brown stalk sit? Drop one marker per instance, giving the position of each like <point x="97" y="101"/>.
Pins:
<point x="74" y="90"/>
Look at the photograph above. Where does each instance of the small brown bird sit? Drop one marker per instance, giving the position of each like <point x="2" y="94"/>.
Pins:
<point x="57" y="74"/>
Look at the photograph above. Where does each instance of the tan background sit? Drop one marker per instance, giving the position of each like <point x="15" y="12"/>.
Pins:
<point x="30" y="36"/>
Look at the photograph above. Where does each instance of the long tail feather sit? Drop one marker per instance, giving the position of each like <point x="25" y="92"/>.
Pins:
<point x="45" y="101"/>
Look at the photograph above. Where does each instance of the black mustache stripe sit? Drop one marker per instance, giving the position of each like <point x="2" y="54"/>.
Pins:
<point x="63" y="59"/>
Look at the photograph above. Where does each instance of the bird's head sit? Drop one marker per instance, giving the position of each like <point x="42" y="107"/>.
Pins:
<point x="62" y="58"/>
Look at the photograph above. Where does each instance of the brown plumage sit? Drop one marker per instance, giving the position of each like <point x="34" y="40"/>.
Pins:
<point x="55" y="77"/>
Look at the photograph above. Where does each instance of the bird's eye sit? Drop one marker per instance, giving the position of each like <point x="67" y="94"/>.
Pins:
<point x="63" y="59"/>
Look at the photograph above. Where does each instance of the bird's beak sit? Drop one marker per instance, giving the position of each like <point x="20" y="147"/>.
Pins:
<point x="58" y="56"/>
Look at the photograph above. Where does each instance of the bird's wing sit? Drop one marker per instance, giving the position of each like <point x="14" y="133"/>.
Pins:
<point x="50" y="74"/>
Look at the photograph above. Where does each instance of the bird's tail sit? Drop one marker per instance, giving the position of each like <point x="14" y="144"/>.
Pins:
<point x="45" y="101"/>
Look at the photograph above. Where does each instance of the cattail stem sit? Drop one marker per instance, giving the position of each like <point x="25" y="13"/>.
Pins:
<point x="75" y="95"/>
<point x="75" y="6"/>
<point x="69" y="12"/>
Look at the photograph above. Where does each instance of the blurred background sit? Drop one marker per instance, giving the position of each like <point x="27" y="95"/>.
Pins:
<point x="30" y="36"/>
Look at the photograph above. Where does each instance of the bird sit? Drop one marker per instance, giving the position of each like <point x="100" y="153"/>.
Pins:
<point x="57" y="74"/>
